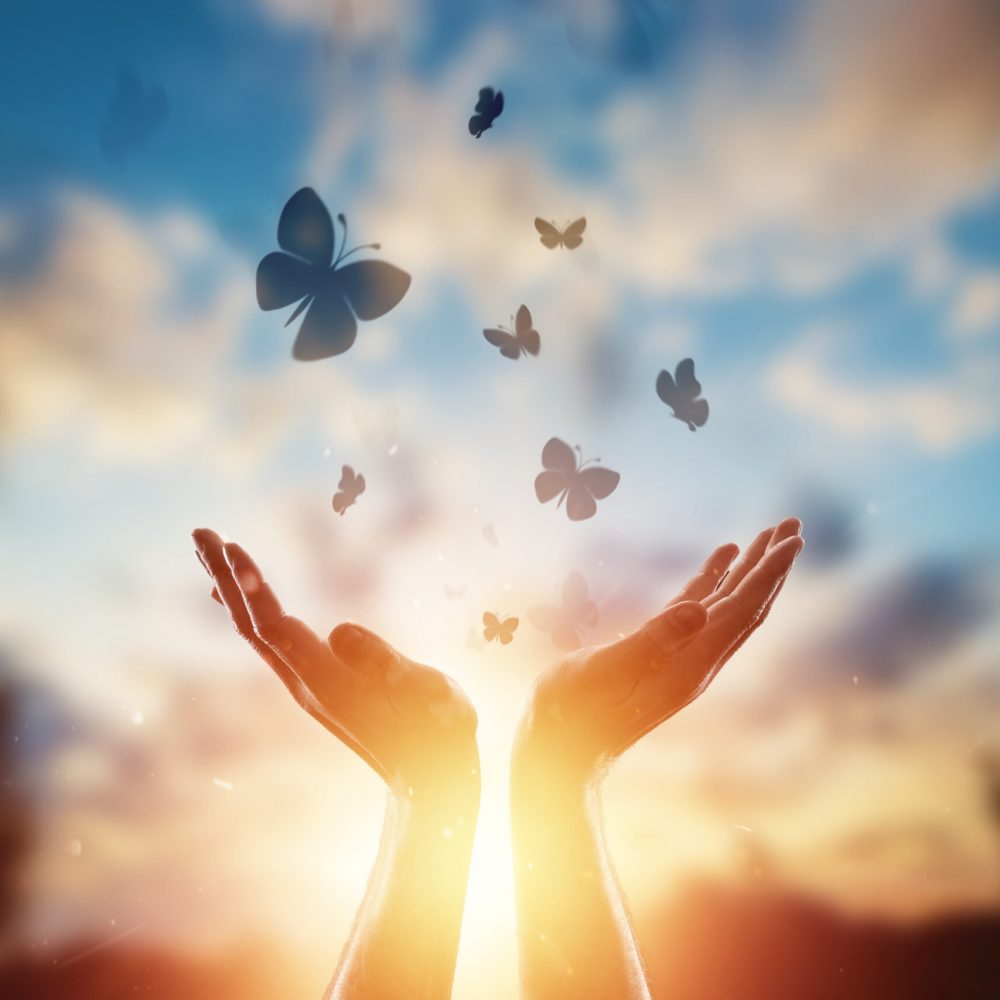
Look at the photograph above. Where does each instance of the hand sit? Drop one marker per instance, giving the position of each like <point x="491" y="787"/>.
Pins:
<point x="589" y="708"/>
<point x="411" y="723"/>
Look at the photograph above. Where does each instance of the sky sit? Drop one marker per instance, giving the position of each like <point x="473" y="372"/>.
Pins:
<point x="802" y="197"/>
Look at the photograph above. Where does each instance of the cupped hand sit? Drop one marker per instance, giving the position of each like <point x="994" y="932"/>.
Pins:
<point x="410" y="722"/>
<point x="587" y="709"/>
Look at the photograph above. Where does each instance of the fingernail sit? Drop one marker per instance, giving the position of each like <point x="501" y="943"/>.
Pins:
<point x="198" y="544"/>
<point x="348" y="640"/>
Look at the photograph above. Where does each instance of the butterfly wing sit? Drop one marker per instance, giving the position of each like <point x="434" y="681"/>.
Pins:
<point x="666" y="389"/>
<point x="371" y="287"/>
<point x="598" y="481"/>
<point x="328" y="329"/>
<point x="558" y="456"/>
<point x="695" y="413"/>
<point x="589" y="486"/>
<point x="572" y="237"/>
<point x="305" y="228"/>
<point x="359" y="486"/>
<point x="576" y="600"/>
<point x="507" y="343"/>
<point x="687" y="384"/>
<point x="491" y="626"/>
<point x="486" y="99"/>
<point x="527" y="336"/>
<point x="580" y="505"/>
<point x="550" y="236"/>
<point x="490" y="534"/>
<point x="282" y="280"/>
<point x="507" y="629"/>
<point x="346" y="478"/>
<point x="496" y="108"/>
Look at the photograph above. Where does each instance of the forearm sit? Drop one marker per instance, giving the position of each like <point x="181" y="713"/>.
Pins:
<point x="574" y="933"/>
<point x="405" y="938"/>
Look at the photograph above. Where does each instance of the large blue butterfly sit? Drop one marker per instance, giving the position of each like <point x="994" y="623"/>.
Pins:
<point x="333" y="295"/>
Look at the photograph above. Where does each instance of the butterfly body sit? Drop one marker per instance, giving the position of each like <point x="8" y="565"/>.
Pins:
<point x="502" y="629"/>
<point x="680" y="392"/>
<point x="565" y="476"/>
<point x="350" y="487"/>
<point x="563" y="622"/>
<point x="488" y="109"/>
<point x="333" y="295"/>
<point x="552" y="236"/>
<point x="523" y="340"/>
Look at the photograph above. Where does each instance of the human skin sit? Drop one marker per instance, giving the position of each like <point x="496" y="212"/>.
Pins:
<point x="417" y="730"/>
<point x="576" y="940"/>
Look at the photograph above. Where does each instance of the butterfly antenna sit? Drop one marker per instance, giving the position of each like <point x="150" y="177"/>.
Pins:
<point x="342" y="219"/>
<point x="367" y="246"/>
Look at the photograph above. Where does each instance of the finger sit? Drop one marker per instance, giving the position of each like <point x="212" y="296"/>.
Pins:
<point x="751" y="556"/>
<point x="661" y="636"/>
<point x="363" y="650"/>
<point x="208" y="545"/>
<point x="215" y="595"/>
<point x="210" y="551"/>
<point x="731" y="618"/>
<point x="704" y="582"/>
<point x="788" y="528"/>
<point x="288" y="637"/>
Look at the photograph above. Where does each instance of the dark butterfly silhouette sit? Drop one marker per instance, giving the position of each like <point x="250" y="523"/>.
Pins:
<point x="570" y="237"/>
<point x="332" y="295"/>
<point x="134" y="112"/>
<point x="568" y="478"/>
<point x="576" y="610"/>
<point x="495" y="628"/>
<point x="523" y="340"/>
<point x="490" y="534"/>
<point x="680" y="394"/>
<point x="350" y="487"/>
<point x="488" y="109"/>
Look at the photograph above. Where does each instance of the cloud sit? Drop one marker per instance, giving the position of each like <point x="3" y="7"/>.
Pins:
<point x="933" y="413"/>
<point x="107" y="338"/>
<point x="908" y="624"/>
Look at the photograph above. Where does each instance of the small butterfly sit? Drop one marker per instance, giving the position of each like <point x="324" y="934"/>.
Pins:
<point x="349" y="488"/>
<point x="494" y="628"/>
<point x="454" y="593"/>
<point x="488" y="109"/>
<point x="334" y="296"/>
<point x="567" y="477"/>
<point x="524" y="339"/>
<point x="563" y="623"/>
<point x="681" y="395"/>
<point x="490" y="534"/>
<point x="570" y="237"/>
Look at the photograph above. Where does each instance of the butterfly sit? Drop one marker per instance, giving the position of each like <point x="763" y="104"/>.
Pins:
<point x="568" y="478"/>
<point x="680" y="394"/>
<point x="311" y="273"/>
<point x="570" y="237"/>
<point x="563" y="623"/>
<point x="524" y="339"/>
<point x="490" y="534"/>
<point x="454" y="593"/>
<point x="494" y="628"/>
<point x="349" y="488"/>
<point x="488" y="109"/>
<point x="135" y="111"/>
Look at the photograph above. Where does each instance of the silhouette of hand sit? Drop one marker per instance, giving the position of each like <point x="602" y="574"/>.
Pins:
<point x="589" y="708"/>
<point x="410" y="722"/>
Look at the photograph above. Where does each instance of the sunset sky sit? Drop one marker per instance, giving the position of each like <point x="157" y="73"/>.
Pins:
<point x="803" y="196"/>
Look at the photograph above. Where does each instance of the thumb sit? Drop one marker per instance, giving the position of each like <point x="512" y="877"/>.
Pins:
<point x="676" y="625"/>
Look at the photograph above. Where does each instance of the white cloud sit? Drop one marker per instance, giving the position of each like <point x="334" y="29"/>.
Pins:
<point x="933" y="413"/>
<point x="977" y="307"/>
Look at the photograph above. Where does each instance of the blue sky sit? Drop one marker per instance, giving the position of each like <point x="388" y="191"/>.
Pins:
<point x="803" y="197"/>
